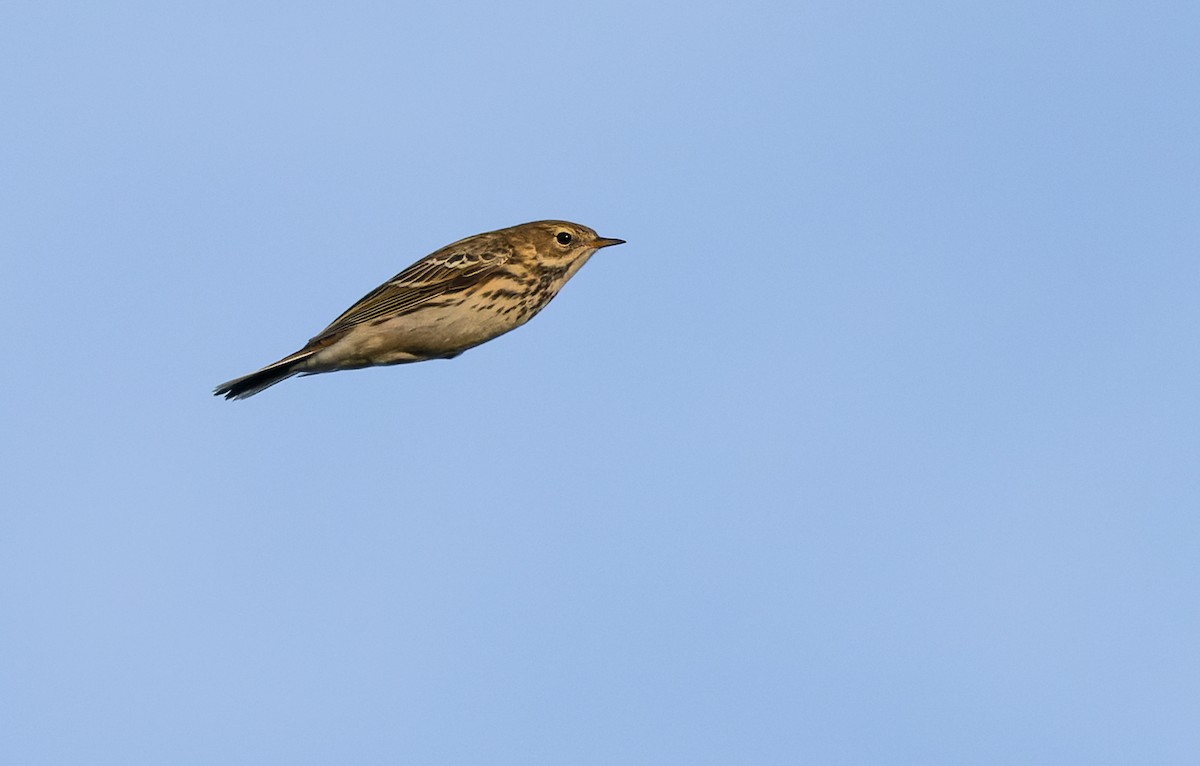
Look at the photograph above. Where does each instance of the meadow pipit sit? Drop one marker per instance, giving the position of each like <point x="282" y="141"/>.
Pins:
<point x="460" y="296"/>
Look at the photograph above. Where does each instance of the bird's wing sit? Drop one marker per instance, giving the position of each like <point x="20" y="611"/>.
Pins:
<point x="449" y="270"/>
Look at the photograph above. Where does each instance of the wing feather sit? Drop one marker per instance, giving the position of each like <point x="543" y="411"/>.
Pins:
<point x="447" y="271"/>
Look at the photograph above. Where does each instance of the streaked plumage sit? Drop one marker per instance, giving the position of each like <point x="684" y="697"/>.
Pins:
<point x="453" y="299"/>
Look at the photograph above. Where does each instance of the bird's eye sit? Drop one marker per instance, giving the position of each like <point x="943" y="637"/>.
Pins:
<point x="563" y="238"/>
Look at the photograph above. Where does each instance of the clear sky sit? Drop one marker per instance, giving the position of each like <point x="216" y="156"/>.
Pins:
<point x="879" y="442"/>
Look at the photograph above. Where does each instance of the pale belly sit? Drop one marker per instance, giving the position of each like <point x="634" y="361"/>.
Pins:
<point x="430" y="333"/>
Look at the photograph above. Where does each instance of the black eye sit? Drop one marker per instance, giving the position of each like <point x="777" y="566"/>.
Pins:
<point x="563" y="238"/>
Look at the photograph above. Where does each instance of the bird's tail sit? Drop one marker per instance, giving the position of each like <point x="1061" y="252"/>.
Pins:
<point x="249" y="385"/>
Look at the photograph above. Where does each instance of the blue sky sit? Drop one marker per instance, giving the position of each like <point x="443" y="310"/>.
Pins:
<point x="877" y="443"/>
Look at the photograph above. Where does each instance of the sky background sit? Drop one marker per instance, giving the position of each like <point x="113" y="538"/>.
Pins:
<point x="878" y="443"/>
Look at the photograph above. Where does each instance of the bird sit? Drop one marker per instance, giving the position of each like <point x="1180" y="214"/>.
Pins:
<point x="453" y="299"/>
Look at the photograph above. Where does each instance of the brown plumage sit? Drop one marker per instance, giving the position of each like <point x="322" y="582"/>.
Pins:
<point x="453" y="299"/>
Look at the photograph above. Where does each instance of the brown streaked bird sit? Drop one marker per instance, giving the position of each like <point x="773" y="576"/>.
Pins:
<point x="449" y="301"/>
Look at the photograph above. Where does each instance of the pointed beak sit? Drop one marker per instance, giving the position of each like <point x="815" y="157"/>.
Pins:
<point x="600" y="242"/>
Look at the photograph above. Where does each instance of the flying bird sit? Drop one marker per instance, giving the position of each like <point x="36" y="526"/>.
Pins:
<point x="451" y="300"/>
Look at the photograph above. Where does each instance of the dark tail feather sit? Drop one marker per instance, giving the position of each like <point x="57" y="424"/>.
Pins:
<point x="249" y="385"/>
